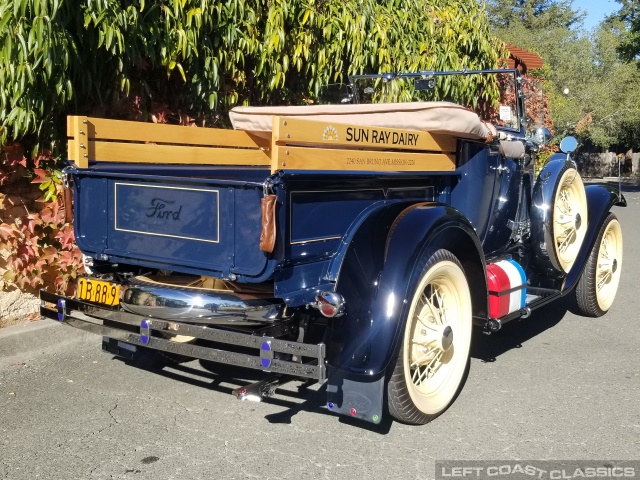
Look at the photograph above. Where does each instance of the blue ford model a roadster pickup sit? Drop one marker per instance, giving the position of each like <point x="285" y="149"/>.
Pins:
<point x="355" y="244"/>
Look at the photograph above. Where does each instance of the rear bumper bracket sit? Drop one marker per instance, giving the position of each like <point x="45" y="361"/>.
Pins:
<point x="141" y="331"/>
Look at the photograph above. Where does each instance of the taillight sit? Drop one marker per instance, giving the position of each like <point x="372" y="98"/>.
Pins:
<point x="330" y="304"/>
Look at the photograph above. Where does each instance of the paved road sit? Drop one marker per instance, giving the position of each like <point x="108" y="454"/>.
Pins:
<point x="556" y="386"/>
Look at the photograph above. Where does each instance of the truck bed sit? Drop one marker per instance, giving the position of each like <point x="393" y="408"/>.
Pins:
<point x="189" y="199"/>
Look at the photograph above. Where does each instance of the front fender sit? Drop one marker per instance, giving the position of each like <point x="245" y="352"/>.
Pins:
<point x="600" y="199"/>
<point x="541" y="212"/>
<point x="375" y="275"/>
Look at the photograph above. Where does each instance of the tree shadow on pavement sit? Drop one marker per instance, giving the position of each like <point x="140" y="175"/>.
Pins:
<point x="513" y="334"/>
<point x="296" y="397"/>
<point x="225" y="378"/>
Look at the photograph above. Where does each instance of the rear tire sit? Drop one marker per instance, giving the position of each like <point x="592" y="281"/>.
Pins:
<point x="598" y="284"/>
<point x="432" y="363"/>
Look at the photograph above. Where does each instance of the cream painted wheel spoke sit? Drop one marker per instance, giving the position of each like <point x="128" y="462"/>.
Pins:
<point x="432" y="307"/>
<point x="442" y="309"/>
<point x="566" y="239"/>
<point x="564" y="206"/>
<point x="423" y="344"/>
<point x="432" y="356"/>
<point x="564" y="218"/>
<point x="565" y="200"/>
<point x="437" y="366"/>
<point x="424" y="374"/>
<point x="604" y="280"/>
<point x="443" y="316"/>
<point x="416" y="374"/>
<point x="425" y="324"/>
<point x="605" y="247"/>
<point x="429" y="303"/>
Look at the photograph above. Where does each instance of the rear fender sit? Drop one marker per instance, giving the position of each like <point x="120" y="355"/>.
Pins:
<point x="600" y="199"/>
<point x="374" y="277"/>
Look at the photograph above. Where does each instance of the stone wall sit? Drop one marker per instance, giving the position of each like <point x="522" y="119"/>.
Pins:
<point x="18" y="307"/>
<point x="605" y="164"/>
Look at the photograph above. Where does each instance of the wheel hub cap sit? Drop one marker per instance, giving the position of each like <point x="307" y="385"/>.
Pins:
<point x="447" y="338"/>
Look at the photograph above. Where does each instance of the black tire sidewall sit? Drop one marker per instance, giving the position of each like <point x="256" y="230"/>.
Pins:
<point x="586" y="287"/>
<point x="427" y="260"/>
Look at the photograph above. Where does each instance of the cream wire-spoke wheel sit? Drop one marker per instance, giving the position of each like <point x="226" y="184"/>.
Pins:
<point x="598" y="284"/>
<point x="569" y="218"/>
<point x="433" y="359"/>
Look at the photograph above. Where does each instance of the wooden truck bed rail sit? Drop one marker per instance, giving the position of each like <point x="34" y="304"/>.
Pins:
<point x="93" y="139"/>
<point x="294" y="144"/>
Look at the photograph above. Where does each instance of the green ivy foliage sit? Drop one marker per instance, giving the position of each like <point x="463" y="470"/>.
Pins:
<point x="131" y="58"/>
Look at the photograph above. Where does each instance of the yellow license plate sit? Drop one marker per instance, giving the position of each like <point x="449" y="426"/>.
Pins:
<point x="98" y="291"/>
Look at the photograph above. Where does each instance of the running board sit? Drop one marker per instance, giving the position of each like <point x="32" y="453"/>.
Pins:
<point x="537" y="299"/>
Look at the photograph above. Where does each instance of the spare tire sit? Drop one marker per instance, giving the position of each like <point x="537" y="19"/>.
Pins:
<point x="558" y="217"/>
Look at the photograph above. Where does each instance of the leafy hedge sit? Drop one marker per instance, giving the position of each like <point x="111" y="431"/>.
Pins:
<point x="37" y="246"/>
<point x="189" y="61"/>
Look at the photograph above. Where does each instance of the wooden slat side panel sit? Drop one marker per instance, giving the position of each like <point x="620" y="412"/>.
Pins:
<point x="71" y="148"/>
<point x="306" y="158"/>
<point x="275" y="135"/>
<point x="176" y="154"/>
<point x="105" y="129"/>
<point x="80" y="152"/>
<point x="319" y="133"/>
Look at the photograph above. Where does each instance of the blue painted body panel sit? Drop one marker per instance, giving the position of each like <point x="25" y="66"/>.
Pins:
<point x="201" y="226"/>
<point x="474" y="193"/>
<point x="375" y="280"/>
<point x="191" y="214"/>
<point x="205" y="220"/>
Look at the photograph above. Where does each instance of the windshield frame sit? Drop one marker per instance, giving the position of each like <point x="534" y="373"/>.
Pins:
<point x="387" y="77"/>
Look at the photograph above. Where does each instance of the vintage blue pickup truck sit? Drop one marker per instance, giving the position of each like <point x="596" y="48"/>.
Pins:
<point x="356" y="244"/>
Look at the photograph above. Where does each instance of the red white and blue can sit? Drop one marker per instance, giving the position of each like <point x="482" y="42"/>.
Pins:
<point x="507" y="288"/>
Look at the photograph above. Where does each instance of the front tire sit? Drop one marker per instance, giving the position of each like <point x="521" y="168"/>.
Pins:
<point x="598" y="283"/>
<point x="432" y="363"/>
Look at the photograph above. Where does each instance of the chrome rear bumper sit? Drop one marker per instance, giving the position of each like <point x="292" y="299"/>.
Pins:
<point x="200" y="306"/>
<point x="145" y="332"/>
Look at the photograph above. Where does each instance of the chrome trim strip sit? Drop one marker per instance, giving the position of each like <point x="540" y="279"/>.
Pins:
<point x="314" y="240"/>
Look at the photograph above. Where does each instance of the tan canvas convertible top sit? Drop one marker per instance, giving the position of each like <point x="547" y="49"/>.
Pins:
<point x="435" y="117"/>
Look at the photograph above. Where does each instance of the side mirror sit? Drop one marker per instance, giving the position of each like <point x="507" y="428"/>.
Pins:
<point x="568" y="144"/>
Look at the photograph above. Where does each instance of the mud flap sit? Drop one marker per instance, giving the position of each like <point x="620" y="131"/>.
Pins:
<point x="363" y="400"/>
